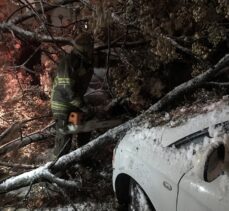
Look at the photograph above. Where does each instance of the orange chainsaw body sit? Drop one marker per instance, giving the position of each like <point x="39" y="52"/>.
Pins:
<point x="75" y="118"/>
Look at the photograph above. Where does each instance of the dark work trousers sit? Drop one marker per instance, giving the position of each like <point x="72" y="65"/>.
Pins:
<point x="83" y="138"/>
<point x="62" y="142"/>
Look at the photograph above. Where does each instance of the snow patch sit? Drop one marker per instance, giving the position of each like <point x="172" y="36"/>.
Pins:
<point x="84" y="206"/>
<point x="183" y="158"/>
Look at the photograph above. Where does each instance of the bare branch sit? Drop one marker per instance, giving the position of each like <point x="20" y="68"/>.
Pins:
<point x="41" y="173"/>
<point x="18" y="125"/>
<point x="24" y="141"/>
<point x="111" y="136"/>
<point x="12" y="129"/>
<point x="33" y="36"/>
<point x="217" y="84"/>
<point x="30" y="188"/>
<point x="183" y="49"/>
<point x="42" y="9"/>
<point x="190" y="85"/>
<point x="17" y="10"/>
<point x="31" y="138"/>
<point x="61" y="182"/>
<point x="17" y="165"/>
<point x="43" y="23"/>
<point x="22" y="180"/>
<point x="30" y="6"/>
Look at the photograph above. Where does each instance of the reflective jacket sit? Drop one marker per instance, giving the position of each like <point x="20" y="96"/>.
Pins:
<point x="70" y="84"/>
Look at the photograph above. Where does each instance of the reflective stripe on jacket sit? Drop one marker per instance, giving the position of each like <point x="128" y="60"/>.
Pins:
<point x="71" y="82"/>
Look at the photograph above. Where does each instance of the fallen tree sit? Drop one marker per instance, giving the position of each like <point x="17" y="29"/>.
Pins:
<point x="47" y="172"/>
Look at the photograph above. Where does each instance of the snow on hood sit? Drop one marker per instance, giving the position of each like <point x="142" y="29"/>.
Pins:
<point x="152" y="140"/>
<point x="207" y="117"/>
<point x="147" y="140"/>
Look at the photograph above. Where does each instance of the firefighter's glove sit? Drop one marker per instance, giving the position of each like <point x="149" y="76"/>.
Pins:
<point x="72" y="128"/>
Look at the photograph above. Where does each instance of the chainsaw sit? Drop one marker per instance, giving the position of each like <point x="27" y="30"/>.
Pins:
<point x="76" y="124"/>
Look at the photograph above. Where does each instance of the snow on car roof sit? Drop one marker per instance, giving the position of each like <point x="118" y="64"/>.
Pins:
<point x="206" y="117"/>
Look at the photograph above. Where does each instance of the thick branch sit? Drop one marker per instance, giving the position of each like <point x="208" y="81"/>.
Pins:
<point x="60" y="182"/>
<point x="44" y="38"/>
<point x="23" y="180"/>
<point x="33" y="36"/>
<point x="110" y="136"/>
<point x="190" y="85"/>
<point x="40" y="174"/>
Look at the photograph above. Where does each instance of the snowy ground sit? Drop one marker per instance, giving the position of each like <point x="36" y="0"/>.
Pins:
<point x="84" y="206"/>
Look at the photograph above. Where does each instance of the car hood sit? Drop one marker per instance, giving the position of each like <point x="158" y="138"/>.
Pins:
<point x="149" y="145"/>
<point x="212" y="115"/>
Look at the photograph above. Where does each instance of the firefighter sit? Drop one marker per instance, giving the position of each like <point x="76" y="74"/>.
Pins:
<point x="73" y="75"/>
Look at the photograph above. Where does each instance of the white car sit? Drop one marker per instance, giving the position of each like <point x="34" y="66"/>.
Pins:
<point x="175" y="167"/>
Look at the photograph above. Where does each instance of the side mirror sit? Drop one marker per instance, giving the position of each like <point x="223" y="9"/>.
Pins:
<point x="210" y="163"/>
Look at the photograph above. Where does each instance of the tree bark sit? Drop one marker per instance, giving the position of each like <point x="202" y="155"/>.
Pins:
<point x="111" y="136"/>
<point x="7" y="26"/>
<point x="194" y="83"/>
